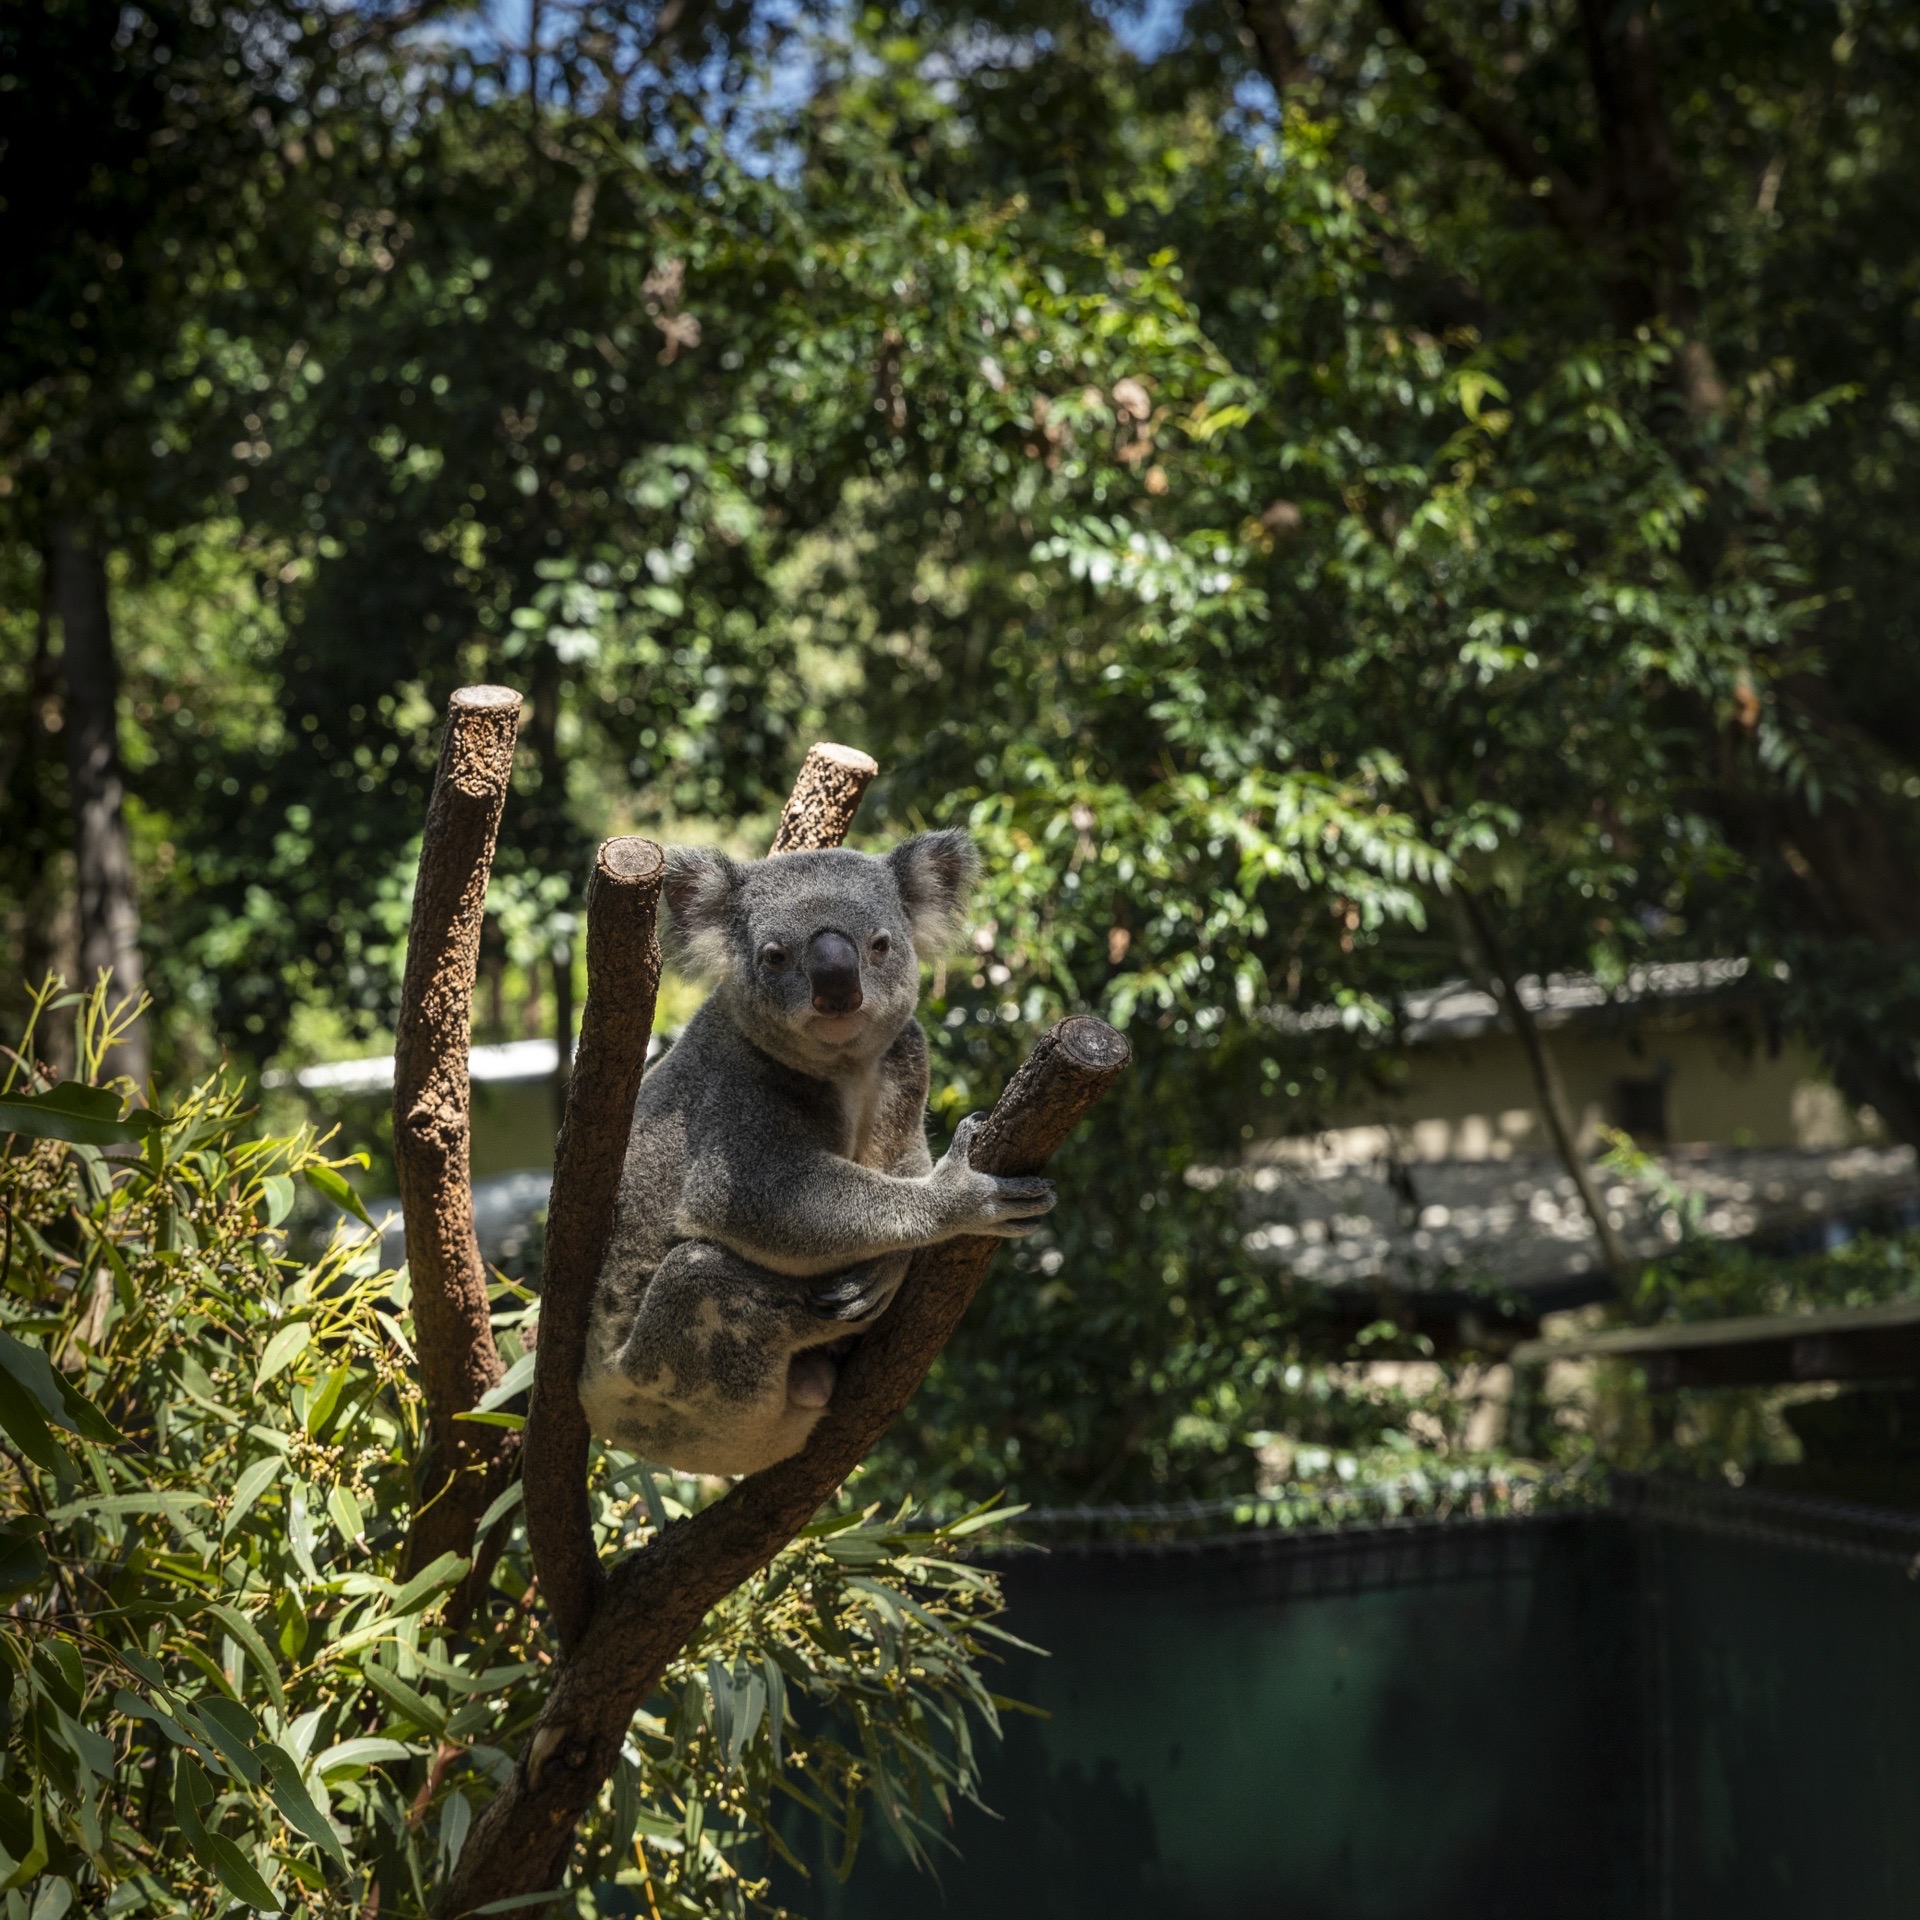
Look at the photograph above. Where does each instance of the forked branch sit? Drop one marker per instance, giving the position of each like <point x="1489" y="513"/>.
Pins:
<point x="655" y="1600"/>
<point x="623" y="981"/>
<point x="620" y="1632"/>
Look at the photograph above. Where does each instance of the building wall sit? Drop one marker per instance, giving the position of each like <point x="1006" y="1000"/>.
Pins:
<point x="1468" y="1099"/>
<point x="1473" y="1099"/>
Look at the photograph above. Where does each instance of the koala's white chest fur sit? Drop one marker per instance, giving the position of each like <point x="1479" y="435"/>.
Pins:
<point x="860" y="1099"/>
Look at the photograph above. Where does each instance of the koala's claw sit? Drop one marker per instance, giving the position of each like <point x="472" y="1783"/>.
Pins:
<point x="1009" y="1208"/>
<point x="856" y="1296"/>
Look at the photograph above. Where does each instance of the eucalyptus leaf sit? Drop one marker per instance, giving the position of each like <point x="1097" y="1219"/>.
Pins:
<point x="254" y="1480"/>
<point x="250" y="1637"/>
<point x="331" y="1185"/>
<point x="22" y="1563"/>
<point x="30" y="1366"/>
<point x="277" y="1191"/>
<point x="26" y="1426"/>
<point x="516" y="1380"/>
<point x="359" y="1754"/>
<point x="448" y="1570"/>
<point x="76" y="1113"/>
<point x="290" y="1795"/>
<point x="407" y="1701"/>
<point x="237" y="1873"/>
<point x="286" y="1346"/>
<point x="344" y="1510"/>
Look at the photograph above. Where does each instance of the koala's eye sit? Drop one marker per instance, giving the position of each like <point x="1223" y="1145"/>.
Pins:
<point x="882" y="944"/>
<point x="775" y="958"/>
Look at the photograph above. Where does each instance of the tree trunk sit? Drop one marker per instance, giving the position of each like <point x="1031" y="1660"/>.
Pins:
<point x="108" y="915"/>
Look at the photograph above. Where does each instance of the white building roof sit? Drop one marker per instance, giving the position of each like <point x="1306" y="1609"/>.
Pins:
<point x="509" y="1060"/>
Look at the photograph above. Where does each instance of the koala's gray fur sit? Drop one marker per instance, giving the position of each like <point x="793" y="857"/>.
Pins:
<point x="778" y="1177"/>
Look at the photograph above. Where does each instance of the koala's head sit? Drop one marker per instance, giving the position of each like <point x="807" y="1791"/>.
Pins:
<point x="818" y="954"/>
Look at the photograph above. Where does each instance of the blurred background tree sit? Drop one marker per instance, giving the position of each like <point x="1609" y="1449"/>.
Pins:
<point x="1336" y="495"/>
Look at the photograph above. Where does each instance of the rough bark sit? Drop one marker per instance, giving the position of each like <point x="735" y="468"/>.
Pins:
<point x="826" y="795"/>
<point x="465" y="1464"/>
<point x="106" y="910"/>
<point x="655" y="1599"/>
<point x="623" y="978"/>
<point x="562" y="1027"/>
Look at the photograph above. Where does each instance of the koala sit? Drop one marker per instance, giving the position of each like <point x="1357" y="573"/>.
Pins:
<point x="777" y="1177"/>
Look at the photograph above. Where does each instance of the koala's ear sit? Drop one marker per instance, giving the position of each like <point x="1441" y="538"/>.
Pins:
<point x="703" y="891"/>
<point x="935" y="873"/>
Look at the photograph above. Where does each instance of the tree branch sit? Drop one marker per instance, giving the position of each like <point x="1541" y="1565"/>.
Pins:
<point x="623" y="978"/>
<point x="655" y="1600"/>
<point x="826" y="796"/>
<point x="1550" y="1090"/>
<point x="1271" y="31"/>
<point x="1567" y="204"/>
<point x="464" y="1465"/>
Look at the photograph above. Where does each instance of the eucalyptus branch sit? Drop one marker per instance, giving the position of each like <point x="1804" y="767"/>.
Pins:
<point x="621" y="1631"/>
<point x="623" y="978"/>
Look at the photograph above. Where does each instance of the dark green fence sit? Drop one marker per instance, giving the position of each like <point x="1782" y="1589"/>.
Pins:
<point x="1690" y="1707"/>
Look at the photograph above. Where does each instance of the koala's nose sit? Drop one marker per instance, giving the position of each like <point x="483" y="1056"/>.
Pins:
<point x="833" y="969"/>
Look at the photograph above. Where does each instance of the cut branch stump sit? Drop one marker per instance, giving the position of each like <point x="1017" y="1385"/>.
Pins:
<point x="826" y="795"/>
<point x="623" y="980"/>
<point x="465" y="1464"/>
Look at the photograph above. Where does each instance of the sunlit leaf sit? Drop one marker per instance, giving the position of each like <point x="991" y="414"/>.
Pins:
<point x="296" y="1803"/>
<point x="516" y="1380"/>
<point x="331" y="1185"/>
<point x="277" y="1190"/>
<point x="252" y="1483"/>
<point x="348" y="1755"/>
<point x="249" y="1636"/>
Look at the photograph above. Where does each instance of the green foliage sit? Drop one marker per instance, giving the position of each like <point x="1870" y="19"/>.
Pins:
<point x="220" y="1689"/>
<point x="1259" y="520"/>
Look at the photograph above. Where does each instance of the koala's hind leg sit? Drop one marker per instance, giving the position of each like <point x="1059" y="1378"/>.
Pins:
<point x="727" y="1366"/>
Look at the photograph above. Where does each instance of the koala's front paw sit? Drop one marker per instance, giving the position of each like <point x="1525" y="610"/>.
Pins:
<point x="983" y="1202"/>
